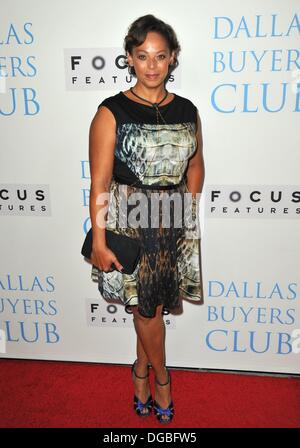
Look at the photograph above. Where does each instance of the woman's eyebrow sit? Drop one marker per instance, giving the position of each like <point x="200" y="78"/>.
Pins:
<point x="147" y="51"/>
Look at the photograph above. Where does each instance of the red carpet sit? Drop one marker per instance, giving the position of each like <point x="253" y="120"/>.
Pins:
<point x="51" y="394"/>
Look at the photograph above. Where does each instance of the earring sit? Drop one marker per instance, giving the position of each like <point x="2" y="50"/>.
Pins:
<point x="128" y="66"/>
<point x="130" y="69"/>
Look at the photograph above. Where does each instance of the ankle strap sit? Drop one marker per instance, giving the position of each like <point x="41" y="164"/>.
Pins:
<point x="160" y="384"/>
<point x="138" y="376"/>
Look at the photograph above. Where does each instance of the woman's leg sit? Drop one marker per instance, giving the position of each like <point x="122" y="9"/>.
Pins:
<point x="151" y="348"/>
<point x="142" y="388"/>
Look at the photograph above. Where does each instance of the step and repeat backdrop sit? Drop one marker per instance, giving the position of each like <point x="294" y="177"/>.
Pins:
<point x="239" y="64"/>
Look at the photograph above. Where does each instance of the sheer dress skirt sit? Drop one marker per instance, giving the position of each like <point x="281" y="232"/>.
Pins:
<point x="169" y="268"/>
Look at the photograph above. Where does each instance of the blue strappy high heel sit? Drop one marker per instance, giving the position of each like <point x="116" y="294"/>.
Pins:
<point x="142" y="409"/>
<point x="161" y="412"/>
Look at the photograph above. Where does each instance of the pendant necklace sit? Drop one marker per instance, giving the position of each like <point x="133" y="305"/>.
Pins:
<point x="154" y="105"/>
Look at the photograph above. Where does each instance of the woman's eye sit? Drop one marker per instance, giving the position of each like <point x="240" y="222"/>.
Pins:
<point x="161" y="56"/>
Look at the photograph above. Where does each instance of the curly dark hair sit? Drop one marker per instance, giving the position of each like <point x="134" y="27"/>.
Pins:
<point x="137" y="33"/>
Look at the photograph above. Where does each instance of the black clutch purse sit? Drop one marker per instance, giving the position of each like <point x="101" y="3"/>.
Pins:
<point x="127" y="249"/>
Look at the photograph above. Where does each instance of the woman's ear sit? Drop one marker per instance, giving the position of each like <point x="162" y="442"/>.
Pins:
<point x="129" y="59"/>
<point x="172" y="61"/>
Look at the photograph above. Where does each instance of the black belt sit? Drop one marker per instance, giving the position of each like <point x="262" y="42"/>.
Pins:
<point x="147" y="187"/>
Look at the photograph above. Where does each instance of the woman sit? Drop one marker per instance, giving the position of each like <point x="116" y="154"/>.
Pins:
<point x="149" y="140"/>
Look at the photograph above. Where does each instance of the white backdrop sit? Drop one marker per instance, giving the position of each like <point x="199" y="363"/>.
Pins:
<point x="240" y="66"/>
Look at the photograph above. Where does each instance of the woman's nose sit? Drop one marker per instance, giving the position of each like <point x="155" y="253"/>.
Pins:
<point x="151" y="63"/>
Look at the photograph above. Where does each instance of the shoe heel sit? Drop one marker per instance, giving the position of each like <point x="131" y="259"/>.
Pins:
<point x="158" y="410"/>
<point x="141" y="409"/>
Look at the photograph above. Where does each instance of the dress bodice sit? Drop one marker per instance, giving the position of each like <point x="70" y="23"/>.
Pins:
<point x="151" y="153"/>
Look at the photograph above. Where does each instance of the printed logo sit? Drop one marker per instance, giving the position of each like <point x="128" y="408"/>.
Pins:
<point x="24" y="200"/>
<point x="252" y="201"/>
<point x="104" y="314"/>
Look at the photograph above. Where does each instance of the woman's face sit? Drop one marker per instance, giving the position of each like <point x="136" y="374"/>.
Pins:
<point x="151" y="60"/>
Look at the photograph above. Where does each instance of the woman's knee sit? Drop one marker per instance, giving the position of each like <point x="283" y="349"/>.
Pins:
<point x="137" y="315"/>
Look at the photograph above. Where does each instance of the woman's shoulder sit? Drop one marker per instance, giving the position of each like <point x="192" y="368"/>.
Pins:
<point x="111" y="100"/>
<point x="187" y="109"/>
<point x="187" y="102"/>
<point x="114" y="104"/>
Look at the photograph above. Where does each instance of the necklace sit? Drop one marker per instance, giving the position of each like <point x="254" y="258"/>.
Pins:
<point x="147" y="101"/>
<point x="154" y="105"/>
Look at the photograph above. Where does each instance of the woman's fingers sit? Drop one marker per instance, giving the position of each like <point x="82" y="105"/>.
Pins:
<point x="108" y="264"/>
<point x="117" y="264"/>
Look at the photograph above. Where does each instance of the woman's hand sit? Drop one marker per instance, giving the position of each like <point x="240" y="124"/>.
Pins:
<point x="103" y="257"/>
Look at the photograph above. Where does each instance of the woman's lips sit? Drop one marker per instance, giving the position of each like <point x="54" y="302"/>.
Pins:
<point x="151" y="76"/>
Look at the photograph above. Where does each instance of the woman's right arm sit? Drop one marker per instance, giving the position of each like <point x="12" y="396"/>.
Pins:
<point x="102" y="138"/>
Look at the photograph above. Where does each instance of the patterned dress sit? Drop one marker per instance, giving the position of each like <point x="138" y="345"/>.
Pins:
<point x="154" y="156"/>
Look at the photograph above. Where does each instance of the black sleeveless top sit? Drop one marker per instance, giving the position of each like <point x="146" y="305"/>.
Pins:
<point x="147" y="153"/>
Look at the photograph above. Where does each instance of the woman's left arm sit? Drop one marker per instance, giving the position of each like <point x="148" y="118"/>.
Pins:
<point x="196" y="170"/>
